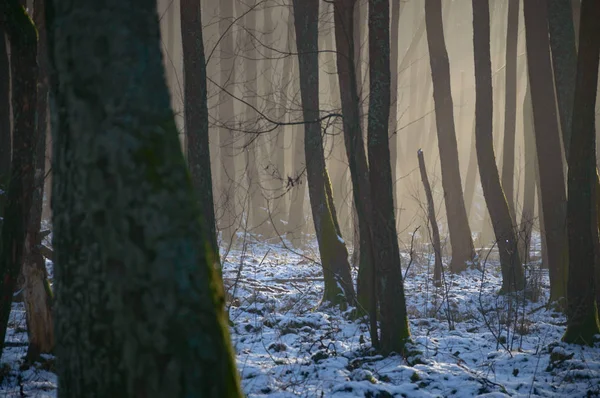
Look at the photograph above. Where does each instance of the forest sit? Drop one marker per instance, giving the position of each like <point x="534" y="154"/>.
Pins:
<point x="299" y="198"/>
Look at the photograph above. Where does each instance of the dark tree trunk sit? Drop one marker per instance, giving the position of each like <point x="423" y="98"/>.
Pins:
<point x="548" y="143"/>
<point x="355" y="149"/>
<point x="37" y="294"/>
<point x="139" y="304"/>
<point x="510" y="112"/>
<point x="564" y="62"/>
<point x="23" y="39"/>
<point x="228" y="222"/>
<point x="435" y="232"/>
<point x="458" y="224"/>
<point x="393" y="122"/>
<point x="510" y="263"/>
<point x="5" y="134"/>
<point x="394" y="322"/>
<point x="582" y="316"/>
<point x="339" y="289"/>
<point x="196" y="117"/>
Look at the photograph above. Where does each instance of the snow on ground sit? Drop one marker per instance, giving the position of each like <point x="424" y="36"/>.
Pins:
<point x="472" y="341"/>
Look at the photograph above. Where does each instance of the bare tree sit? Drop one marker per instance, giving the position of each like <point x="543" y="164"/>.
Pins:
<point x="394" y="321"/>
<point x="339" y="289"/>
<point x="553" y="196"/>
<point x="458" y="224"/>
<point x="512" y="270"/>
<point x="355" y="148"/>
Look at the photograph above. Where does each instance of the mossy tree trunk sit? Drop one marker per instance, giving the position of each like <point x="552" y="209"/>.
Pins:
<point x="513" y="277"/>
<point x="582" y="315"/>
<point x="553" y="195"/>
<point x="139" y="304"/>
<point x="394" y="321"/>
<point x="510" y="112"/>
<point x="22" y="35"/>
<point x="458" y="224"/>
<point x="196" y="116"/>
<point x="339" y="289"/>
<point x="37" y="294"/>
<point x="344" y="25"/>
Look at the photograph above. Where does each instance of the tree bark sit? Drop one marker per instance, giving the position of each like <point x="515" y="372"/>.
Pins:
<point x="139" y="303"/>
<point x="510" y="112"/>
<point x="196" y="117"/>
<point x="582" y="315"/>
<point x="548" y="143"/>
<point x="394" y="321"/>
<point x="458" y="224"/>
<point x="510" y="263"/>
<point x="23" y="39"/>
<point x="37" y="294"/>
<point x="5" y="133"/>
<point x="339" y="289"/>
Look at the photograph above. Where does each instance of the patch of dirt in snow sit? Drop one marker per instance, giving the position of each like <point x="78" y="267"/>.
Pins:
<point x="472" y="341"/>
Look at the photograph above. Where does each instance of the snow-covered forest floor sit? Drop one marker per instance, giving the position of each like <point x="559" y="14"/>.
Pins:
<point x="468" y="340"/>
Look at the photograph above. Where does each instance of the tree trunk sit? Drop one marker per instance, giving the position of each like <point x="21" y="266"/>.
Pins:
<point x="355" y="149"/>
<point x="458" y="224"/>
<point x="394" y="322"/>
<point x="37" y="294"/>
<point x="297" y="184"/>
<point x="227" y="191"/>
<point x="435" y="232"/>
<point x="339" y="289"/>
<point x="393" y="122"/>
<point x="547" y="143"/>
<point x="23" y="39"/>
<point x="196" y="117"/>
<point x="276" y="168"/>
<point x="139" y="304"/>
<point x="471" y="177"/>
<point x="529" y="177"/>
<point x="257" y="204"/>
<point x="510" y="263"/>
<point x="5" y="133"/>
<point x="582" y="315"/>
<point x="510" y="112"/>
<point x="564" y="63"/>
